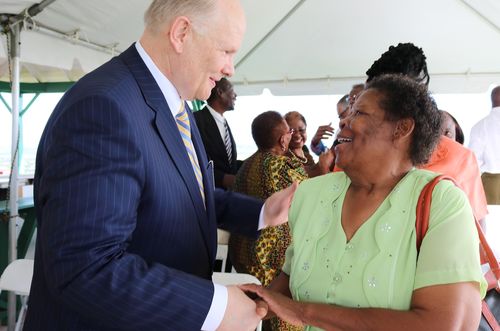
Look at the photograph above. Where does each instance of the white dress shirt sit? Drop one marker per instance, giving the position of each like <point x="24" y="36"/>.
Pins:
<point x="485" y="142"/>
<point x="219" y="120"/>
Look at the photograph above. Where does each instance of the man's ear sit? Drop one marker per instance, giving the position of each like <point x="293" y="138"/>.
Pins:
<point x="404" y="128"/>
<point x="220" y="92"/>
<point x="179" y="31"/>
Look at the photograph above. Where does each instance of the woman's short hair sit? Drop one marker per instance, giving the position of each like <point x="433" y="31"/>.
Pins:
<point x="402" y="97"/>
<point x="267" y="129"/>
<point x="294" y="114"/>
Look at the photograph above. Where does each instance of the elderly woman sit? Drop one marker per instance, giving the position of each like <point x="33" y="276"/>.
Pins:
<point x="353" y="263"/>
<point x="298" y="149"/>
<point x="267" y="171"/>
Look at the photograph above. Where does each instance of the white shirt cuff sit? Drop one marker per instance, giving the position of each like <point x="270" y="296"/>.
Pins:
<point x="261" y="218"/>
<point x="217" y="309"/>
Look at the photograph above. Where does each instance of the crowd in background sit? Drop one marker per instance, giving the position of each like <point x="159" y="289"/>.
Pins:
<point x="283" y="157"/>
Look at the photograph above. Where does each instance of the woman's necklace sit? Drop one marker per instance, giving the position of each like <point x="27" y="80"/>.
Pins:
<point x="301" y="159"/>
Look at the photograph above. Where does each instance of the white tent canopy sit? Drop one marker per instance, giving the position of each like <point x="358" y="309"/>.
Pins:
<point x="291" y="47"/>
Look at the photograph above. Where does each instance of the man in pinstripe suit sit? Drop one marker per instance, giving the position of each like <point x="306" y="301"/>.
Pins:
<point x="126" y="231"/>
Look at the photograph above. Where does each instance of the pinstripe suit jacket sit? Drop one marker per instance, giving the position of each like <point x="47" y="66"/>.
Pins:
<point x="124" y="241"/>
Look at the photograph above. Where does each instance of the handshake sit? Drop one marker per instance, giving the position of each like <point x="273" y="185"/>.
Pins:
<point x="248" y="304"/>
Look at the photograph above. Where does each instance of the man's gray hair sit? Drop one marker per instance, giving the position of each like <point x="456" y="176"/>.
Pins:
<point x="163" y="11"/>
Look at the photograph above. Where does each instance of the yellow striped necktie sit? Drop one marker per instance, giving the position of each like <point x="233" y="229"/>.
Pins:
<point x="182" y="120"/>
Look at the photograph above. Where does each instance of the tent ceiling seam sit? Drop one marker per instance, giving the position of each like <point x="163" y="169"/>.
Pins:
<point x="269" y="33"/>
<point x="287" y="80"/>
<point x="478" y="13"/>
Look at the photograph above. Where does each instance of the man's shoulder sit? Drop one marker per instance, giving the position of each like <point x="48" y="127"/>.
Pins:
<point x="111" y="76"/>
<point x="202" y="118"/>
<point x="201" y="113"/>
<point x="483" y="125"/>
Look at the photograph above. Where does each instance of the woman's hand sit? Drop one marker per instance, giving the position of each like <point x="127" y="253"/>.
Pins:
<point x="323" y="132"/>
<point x="284" y="307"/>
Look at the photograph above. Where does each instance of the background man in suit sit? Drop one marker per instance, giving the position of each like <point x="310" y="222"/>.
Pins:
<point x="125" y="202"/>
<point x="216" y="134"/>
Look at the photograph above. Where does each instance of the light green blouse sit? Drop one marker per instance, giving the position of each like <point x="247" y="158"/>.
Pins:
<point x="378" y="267"/>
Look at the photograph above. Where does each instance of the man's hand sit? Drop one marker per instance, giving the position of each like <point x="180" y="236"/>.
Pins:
<point x="242" y="313"/>
<point x="323" y="132"/>
<point x="277" y="205"/>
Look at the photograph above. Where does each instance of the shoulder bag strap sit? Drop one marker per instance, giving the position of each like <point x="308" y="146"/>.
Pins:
<point x="424" y="208"/>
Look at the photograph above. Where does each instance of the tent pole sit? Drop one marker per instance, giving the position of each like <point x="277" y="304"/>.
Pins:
<point x="13" y="207"/>
<point x="38" y="7"/>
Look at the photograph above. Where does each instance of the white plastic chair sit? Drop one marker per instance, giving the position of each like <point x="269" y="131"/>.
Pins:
<point x="17" y="278"/>
<point x="222" y="251"/>
<point x="222" y="247"/>
<point x="226" y="278"/>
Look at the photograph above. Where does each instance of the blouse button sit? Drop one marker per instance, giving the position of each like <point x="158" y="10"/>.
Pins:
<point x="337" y="278"/>
<point x="386" y="228"/>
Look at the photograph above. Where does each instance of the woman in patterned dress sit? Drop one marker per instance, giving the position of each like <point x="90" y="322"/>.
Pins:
<point x="267" y="171"/>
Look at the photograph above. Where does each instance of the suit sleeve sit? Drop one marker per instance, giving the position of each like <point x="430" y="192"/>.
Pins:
<point x="218" y="177"/>
<point x="237" y="213"/>
<point x="89" y="194"/>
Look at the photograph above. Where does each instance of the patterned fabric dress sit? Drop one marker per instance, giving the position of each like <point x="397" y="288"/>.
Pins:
<point x="260" y="176"/>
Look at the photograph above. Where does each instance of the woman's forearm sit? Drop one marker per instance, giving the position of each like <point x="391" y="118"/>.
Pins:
<point x="280" y="285"/>
<point x="443" y="307"/>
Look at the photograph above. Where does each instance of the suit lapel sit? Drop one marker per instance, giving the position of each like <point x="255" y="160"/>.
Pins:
<point x="169" y="134"/>
<point x="208" y="182"/>
<point x="214" y="130"/>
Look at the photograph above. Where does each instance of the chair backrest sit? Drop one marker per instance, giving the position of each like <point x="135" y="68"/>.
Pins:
<point x="17" y="277"/>
<point x="222" y="251"/>
<point x="222" y="237"/>
<point x="222" y="247"/>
